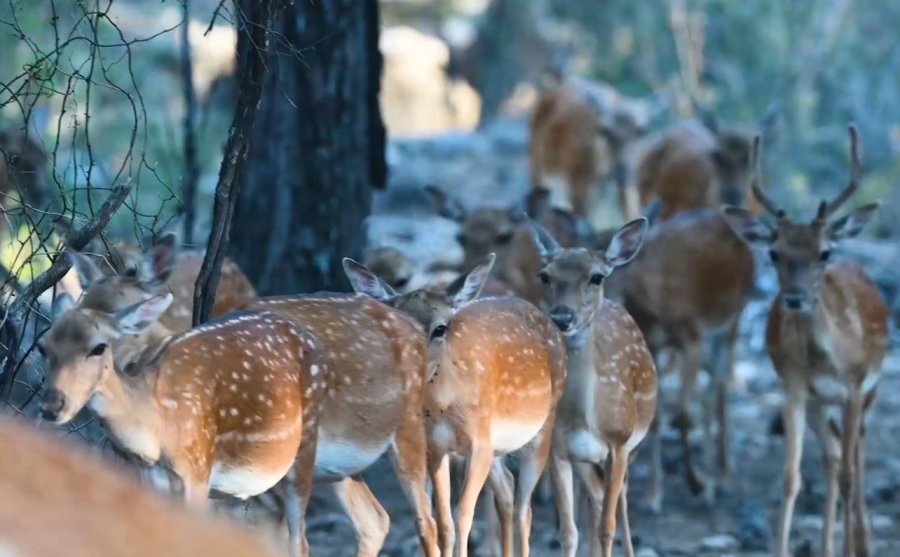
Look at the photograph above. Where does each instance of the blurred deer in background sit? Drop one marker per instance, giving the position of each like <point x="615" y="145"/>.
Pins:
<point x="505" y="232"/>
<point x="579" y="134"/>
<point x="60" y="500"/>
<point x="610" y="396"/>
<point x="232" y="406"/>
<point x="827" y="336"/>
<point x="496" y="370"/>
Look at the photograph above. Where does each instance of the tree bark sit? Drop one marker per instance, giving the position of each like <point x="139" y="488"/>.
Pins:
<point x="316" y="150"/>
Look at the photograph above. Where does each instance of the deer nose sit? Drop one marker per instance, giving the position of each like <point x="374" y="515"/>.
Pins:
<point x="793" y="301"/>
<point x="52" y="405"/>
<point x="563" y="317"/>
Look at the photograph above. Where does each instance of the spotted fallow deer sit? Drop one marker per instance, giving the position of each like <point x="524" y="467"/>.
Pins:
<point x="827" y="336"/>
<point x="610" y="396"/>
<point x="61" y="500"/>
<point x="232" y="406"/>
<point x="692" y="166"/>
<point x="497" y="367"/>
<point x="372" y="404"/>
<point x="579" y="135"/>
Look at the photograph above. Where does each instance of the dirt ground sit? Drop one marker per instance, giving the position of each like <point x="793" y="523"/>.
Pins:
<point x="490" y="167"/>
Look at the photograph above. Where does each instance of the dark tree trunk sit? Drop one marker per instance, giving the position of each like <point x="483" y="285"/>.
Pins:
<point x="316" y="151"/>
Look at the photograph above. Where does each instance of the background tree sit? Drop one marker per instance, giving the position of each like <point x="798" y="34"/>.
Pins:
<point x="316" y="150"/>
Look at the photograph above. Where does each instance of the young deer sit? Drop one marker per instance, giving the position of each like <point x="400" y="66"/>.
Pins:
<point x="827" y="337"/>
<point x="692" y="166"/>
<point x="610" y="396"/>
<point x="579" y="133"/>
<point x="376" y="357"/>
<point x="60" y="500"/>
<point x="231" y="406"/>
<point x="497" y="367"/>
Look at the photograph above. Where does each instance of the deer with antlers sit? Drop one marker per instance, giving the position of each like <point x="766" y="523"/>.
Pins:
<point x="232" y="406"/>
<point x="610" y="396"/>
<point x="827" y="337"/>
<point x="60" y="500"/>
<point x="372" y="401"/>
<point x="497" y="367"/>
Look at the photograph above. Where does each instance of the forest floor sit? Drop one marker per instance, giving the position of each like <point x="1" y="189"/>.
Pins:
<point x="491" y="167"/>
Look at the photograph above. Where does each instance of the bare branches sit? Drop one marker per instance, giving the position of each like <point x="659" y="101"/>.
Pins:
<point x="191" y="166"/>
<point x="253" y="41"/>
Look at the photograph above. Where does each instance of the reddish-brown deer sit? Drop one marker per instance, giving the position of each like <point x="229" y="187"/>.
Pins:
<point x="232" y="406"/>
<point x="610" y="397"/>
<point x="579" y="134"/>
<point x="692" y="166"/>
<point x="497" y="367"/>
<point x="60" y="500"/>
<point x="373" y="394"/>
<point x="827" y="336"/>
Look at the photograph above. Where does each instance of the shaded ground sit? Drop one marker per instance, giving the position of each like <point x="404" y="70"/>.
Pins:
<point x="491" y="168"/>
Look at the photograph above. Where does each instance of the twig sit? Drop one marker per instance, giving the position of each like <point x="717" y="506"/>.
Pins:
<point x="191" y="167"/>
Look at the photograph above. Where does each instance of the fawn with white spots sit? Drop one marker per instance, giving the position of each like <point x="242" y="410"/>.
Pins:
<point x="827" y="336"/>
<point x="61" y="500"/>
<point x="231" y="406"/>
<point x="497" y="368"/>
<point x="610" y="397"/>
<point x="159" y="269"/>
<point x="373" y="405"/>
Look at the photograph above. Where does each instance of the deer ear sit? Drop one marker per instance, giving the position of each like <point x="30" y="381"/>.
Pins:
<point x="748" y="226"/>
<point x="366" y="282"/>
<point x="467" y="287"/>
<point x="626" y="243"/>
<point x="88" y="271"/>
<point x="61" y="303"/>
<point x="157" y="263"/>
<point x="546" y="244"/>
<point x="852" y="224"/>
<point x="141" y="315"/>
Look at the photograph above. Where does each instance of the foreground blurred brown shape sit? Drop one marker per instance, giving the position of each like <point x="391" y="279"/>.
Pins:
<point x="58" y="500"/>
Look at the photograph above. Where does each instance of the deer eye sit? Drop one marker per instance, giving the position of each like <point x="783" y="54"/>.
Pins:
<point x="438" y="331"/>
<point x="401" y="283"/>
<point x="773" y="255"/>
<point x="825" y="255"/>
<point x="97" y="350"/>
<point x="544" y="277"/>
<point x="461" y="239"/>
<point x="504" y="238"/>
<point x="130" y="272"/>
<point x="597" y="278"/>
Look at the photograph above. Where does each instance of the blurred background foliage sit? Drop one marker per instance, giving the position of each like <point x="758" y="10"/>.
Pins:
<point x="460" y="64"/>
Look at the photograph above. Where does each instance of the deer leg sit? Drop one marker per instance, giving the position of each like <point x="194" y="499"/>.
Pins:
<point x="847" y="475"/>
<point x="654" y="497"/>
<point x="298" y="483"/>
<point x="478" y="467"/>
<point x="831" y="458"/>
<point x="724" y="377"/>
<point x="861" y="526"/>
<point x="794" y="426"/>
<point x="408" y="455"/>
<point x="690" y="365"/>
<point x="370" y="521"/>
<point x="532" y="462"/>
<point x="616" y="467"/>
<point x="502" y="481"/>
<point x="439" y="470"/>
<point x="593" y="482"/>
<point x="561" y="478"/>
<point x="627" y="546"/>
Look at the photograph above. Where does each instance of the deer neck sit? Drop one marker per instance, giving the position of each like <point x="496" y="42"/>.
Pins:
<point x="576" y="408"/>
<point x="128" y="408"/>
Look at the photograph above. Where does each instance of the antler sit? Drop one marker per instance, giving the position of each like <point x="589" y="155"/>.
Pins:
<point x="758" y="192"/>
<point x="828" y="208"/>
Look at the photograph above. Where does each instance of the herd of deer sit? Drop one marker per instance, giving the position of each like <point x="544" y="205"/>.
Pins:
<point x="553" y="358"/>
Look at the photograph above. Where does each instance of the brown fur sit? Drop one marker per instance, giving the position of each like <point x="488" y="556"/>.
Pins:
<point x="59" y="500"/>
<point x="690" y="167"/>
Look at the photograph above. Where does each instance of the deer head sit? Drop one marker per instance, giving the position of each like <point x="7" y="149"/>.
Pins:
<point x="799" y="250"/>
<point x="76" y="350"/>
<point x="573" y="278"/>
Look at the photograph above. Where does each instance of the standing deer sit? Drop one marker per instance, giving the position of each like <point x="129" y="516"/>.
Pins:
<point x="497" y="368"/>
<point x="376" y="358"/>
<point x="60" y="500"/>
<point x="610" y="396"/>
<point x="231" y="406"/>
<point x="827" y="337"/>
